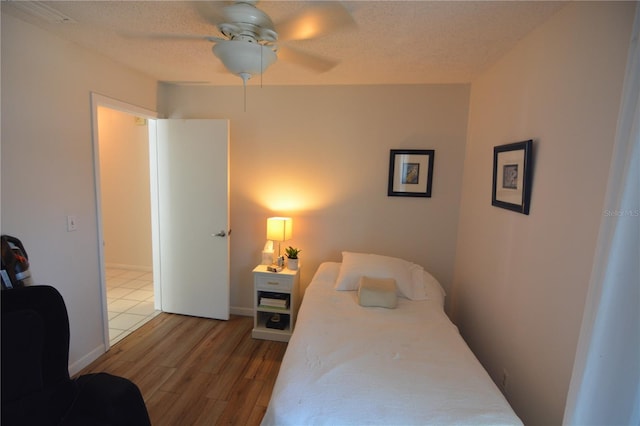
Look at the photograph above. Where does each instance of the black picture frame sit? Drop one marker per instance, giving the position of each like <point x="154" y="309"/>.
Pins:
<point x="410" y="172"/>
<point x="512" y="176"/>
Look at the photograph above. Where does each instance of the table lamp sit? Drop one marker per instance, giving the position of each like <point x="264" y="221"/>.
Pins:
<point x="279" y="229"/>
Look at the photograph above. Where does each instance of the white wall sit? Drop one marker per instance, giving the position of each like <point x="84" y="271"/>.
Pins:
<point x="520" y="281"/>
<point x="321" y="155"/>
<point x="124" y="187"/>
<point x="47" y="164"/>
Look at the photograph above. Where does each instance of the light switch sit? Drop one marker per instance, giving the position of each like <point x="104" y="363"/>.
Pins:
<point x="72" y="223"/>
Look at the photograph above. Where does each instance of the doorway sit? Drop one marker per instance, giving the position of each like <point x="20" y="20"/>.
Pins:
<point x="123" y="180"/>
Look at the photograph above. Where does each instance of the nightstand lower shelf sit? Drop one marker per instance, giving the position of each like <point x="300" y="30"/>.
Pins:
<point x="267" y="328"/>
<point x="270" y="334"/>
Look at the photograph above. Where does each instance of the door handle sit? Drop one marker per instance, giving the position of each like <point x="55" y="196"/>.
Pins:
<point x="221" y="233"/>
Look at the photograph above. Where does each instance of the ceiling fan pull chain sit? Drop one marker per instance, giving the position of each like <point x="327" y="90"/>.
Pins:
<point x="245" y="76"/>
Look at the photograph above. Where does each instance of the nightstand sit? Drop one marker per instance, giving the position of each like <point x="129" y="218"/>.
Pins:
<point x="276" y="302"/>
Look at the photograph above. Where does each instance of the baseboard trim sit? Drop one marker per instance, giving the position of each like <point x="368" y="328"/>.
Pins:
<point x="245" y="312"/>
<point x="77" y="366"/>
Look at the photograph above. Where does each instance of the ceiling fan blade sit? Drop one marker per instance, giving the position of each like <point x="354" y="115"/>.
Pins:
<point x="307" y="60"/>
<point x="319" y="18"/>
<point x="175" y="37"/>
<point x="211" y="11"/>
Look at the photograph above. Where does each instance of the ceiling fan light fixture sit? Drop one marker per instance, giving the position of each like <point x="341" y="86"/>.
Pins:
<point x="242" y="57"/>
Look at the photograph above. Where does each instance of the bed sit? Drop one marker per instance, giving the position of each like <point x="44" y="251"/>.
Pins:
<point x="347" y="364"/>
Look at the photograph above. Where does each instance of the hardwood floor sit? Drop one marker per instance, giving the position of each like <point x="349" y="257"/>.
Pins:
<point x="195" y="371"/>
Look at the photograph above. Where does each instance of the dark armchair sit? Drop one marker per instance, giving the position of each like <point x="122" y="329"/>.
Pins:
<point x="36" y="387"/>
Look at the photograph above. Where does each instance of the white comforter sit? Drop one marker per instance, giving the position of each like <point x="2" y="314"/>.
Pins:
<point x="350" y="365"/>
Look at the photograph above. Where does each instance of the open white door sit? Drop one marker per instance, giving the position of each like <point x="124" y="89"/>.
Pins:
<point x="192" y="216"/>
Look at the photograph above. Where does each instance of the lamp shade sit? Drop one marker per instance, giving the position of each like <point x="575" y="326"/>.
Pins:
<point x="279" y="228"/>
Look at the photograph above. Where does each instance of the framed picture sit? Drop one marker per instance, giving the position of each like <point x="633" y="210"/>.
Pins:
<point x="410" y="172"/>
<point x="512" y="174"/>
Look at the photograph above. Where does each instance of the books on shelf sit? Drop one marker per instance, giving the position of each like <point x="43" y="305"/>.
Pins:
<point x="274" y="303"/>
<point x="274" y="300"/>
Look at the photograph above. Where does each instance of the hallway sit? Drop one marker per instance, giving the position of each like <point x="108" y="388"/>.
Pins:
<point x="130" y="301"/>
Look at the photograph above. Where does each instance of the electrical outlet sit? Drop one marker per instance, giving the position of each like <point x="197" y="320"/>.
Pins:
<point x="72" y="223"/>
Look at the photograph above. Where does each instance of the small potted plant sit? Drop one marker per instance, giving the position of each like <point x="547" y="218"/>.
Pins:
<point x="292" y="255"/>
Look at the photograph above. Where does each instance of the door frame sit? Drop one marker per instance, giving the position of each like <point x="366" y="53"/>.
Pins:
<point x="98" y="100"/>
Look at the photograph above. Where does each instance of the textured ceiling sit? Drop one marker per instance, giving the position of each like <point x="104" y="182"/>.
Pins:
<point x="393" y="42"/>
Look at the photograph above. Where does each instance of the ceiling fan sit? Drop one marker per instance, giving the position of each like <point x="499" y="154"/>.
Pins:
<point x="250" y="41"/>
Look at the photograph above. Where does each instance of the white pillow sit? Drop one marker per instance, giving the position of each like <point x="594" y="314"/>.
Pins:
<point x="408" y="276"/>
<point x="433" y="289"/>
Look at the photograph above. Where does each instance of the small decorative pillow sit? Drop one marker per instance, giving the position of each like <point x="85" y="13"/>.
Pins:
<point x="380" y="292"/>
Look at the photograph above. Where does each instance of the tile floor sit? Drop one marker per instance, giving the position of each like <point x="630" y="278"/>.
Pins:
<point x="129" y="301"/>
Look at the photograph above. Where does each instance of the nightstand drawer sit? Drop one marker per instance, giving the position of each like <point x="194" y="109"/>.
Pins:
<point x="274" y="282"/>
